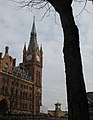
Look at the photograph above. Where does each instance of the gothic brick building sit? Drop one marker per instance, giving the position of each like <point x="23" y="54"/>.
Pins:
<point x="21" y="86"/>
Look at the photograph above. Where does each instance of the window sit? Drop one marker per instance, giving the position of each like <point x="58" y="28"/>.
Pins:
<point x="20" y="93"/>
<point x="25" y="105"/>
<point x="30" y="88"/>
<point x="20" y="104"/>
<point x="16" y="93"/>
<point x="6" y="90"/>
<point x="3" y="90"/>
<point x="30" y="96"/>
<point x="16" y="104"/>
<point x="26" y="95"/>
<point x="12" y="83"/>
<point x="21" y="86"/>
<point x="37" y="104"/>
<point x="3" y="81"/>
<point x="39" y="77"/>
<point x="17" y="84"/>
<point x="7" y="81"/>
<point x="30" y="106"/>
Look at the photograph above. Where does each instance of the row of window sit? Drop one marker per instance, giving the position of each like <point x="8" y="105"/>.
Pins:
<point x="19" y="94"/>
<point x="16" y="84"/>
<point x="25" y="95"/>
<point x="23" y="105"/>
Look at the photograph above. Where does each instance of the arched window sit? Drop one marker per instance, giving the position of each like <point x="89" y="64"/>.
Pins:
<point x="30" y="106"/>
<point x="24" y="95"/>
<point x="3" y="90"/>
<point x="7" y="81"/>
<point x="16" y="93"/>
<point x="3" y="81"/>
<point x="20" y="104"/>
<point x="39" y="78"/>
<point x="16" y="104"/>
<point x="6" y="90"/>
<point x="20" y="93"/>
<point x="30" y="96"/>
<point x="23" y="105"/>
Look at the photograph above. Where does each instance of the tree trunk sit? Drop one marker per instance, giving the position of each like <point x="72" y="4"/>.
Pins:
<point x="76" y="93"/>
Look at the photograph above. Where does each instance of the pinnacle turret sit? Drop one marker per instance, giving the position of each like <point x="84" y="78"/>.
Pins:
<point x="33" y="27"/>
<point x="24" y="52"/>
<point x="24" y="47"/>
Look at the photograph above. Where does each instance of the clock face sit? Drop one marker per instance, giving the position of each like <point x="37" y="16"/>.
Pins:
<point x="38" y="58"/>
<point x="29" y="57"/>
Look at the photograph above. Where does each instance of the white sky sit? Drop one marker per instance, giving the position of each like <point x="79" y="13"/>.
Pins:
<point x="15" y="28"/>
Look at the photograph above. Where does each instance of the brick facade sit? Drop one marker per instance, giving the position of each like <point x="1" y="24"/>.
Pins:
<point x="21" y="86"/>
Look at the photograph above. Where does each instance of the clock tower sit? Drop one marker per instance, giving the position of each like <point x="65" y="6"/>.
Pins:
<point x="32" y="62"/>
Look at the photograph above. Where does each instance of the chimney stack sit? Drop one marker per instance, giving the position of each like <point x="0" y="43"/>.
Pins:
<point x="6" y="49"/>
<point x="14" y="62"/>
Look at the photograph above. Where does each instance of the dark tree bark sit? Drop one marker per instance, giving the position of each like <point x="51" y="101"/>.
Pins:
<point x="76" y="92"/>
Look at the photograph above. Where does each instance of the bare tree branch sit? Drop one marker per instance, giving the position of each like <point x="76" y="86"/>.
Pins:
<point x="82" y="9"/>
<point x="88" y="11"/>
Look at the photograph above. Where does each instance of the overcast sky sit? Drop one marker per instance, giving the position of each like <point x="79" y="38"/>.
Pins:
<point x="15" y="28"/>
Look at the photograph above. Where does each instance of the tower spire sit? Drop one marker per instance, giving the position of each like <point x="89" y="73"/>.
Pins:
<point x="33" y="37"/>
<point x="33" y="27"/>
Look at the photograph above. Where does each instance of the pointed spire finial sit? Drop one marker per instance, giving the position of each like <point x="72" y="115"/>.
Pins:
<point x="34" y="19"/>
<point x="33" y="27"/>
<point x="33" y="37"/>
